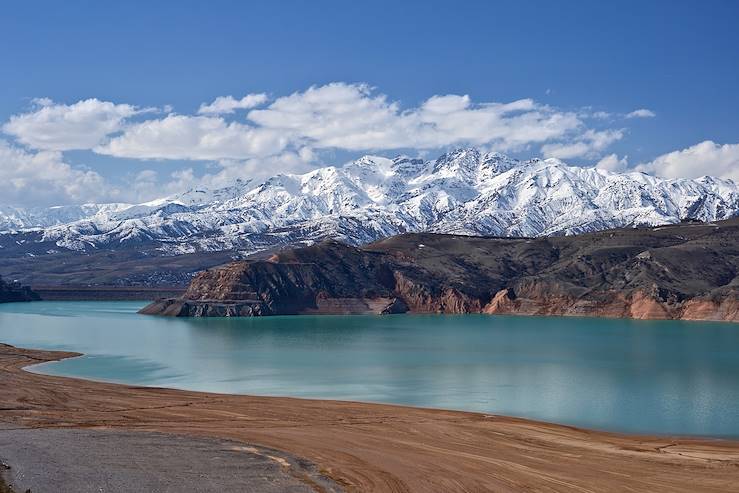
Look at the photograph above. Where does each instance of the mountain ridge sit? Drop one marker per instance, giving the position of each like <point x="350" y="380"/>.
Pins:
<point x="465" y="191"/>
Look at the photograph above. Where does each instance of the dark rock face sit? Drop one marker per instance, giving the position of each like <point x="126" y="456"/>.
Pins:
<point x="14" y="291"/>
<point x="686" y="271"/>
<point x="174" y="307"/>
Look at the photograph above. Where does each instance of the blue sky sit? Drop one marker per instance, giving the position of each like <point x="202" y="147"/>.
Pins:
<point x="598" y="61"/>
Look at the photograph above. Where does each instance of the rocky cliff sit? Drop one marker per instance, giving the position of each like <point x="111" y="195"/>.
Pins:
<point x="685" y="271"/>
<point x="13" y="291"/>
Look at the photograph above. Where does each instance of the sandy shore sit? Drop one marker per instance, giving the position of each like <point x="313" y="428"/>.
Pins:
<point x="372" y="447"/>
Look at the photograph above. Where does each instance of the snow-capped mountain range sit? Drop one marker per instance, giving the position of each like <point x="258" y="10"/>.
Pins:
<point x="465" y="191"/>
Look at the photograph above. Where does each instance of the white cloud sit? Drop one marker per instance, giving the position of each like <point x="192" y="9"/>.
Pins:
<point x="147" y="185"/>
<point x="641" y="113"/>
<point x="353" y="117"/>
<point x="601" y="115"/>
<point x="228" y="104"/>
<point x="61" y="127"/>
<point x="706" y="158"/>
<point x="43" y="178"/>
<point x="335" y="115"/>
<point x="193" y="137"/>
<point x="257" y="168"/>
<point x="612" y="162"/>
<point x="347" y="117"/>
<point x="588" y="144"/>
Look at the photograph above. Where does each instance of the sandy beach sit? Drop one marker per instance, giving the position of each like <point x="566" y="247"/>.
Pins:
<point x="371" y="447"/>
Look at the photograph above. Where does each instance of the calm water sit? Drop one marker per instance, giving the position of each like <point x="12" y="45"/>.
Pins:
<point x="654" y="377"/>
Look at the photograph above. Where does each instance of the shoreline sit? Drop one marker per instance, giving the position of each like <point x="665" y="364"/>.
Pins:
<point x="75" y="297"/>
<point x="376" y="447"/>
<point x="180" y="307"/>
<point x="105" y="293"/>
<point x="666" y="436"/>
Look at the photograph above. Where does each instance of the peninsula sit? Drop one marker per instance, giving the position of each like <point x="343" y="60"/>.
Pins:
<point x="15" y="291"/>
<point x="684" y="271"/>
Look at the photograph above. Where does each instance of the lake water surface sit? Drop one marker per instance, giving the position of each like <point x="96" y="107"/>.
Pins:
<point x="664" y="377"/>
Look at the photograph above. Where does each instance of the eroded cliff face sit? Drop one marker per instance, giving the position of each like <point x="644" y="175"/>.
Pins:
<point x="419" y="297"/>
<point x="686" y="271"/>
<point x="637" y="304"/>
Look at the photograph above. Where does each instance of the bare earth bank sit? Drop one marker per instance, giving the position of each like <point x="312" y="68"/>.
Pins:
<point x="372" y="447"/>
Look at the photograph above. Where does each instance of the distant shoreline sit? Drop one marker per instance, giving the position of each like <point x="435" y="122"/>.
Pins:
<point x="106" y="293"/>
<point x="375" y="446"/>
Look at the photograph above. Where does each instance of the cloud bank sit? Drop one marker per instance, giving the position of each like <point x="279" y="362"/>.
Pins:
<point x="193" y="138"/>
<point x="44" y="178"/>
<point x="61" y="127"/>
<point x="705" y="158"/>
<point x="348" y="117"/>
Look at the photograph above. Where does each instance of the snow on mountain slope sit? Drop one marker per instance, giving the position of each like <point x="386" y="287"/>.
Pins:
<point x="13" y="218"/>
<point x="464" y="191"/>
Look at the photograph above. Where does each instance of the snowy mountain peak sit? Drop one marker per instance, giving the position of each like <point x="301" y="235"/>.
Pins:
<point x="407" y="166"/>
<point x="494" y="163"/>
<point x="471" y="165"/>
<point x="464" y="191"/>
<point x="459" y="163"/>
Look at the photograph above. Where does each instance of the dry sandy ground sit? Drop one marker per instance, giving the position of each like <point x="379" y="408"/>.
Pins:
<point x="371" y="447"/>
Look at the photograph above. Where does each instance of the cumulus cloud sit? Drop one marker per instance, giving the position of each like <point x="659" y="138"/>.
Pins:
<point x="353" y="117"/>
<point x="61" y="127"/>
<point x="228" y="104"/>
<point x="193" y="137"/>
<point x="349" y="117"/>
<point x="589" y="144"/>
<point x="641" y="113"/>
<point x="43" y="178"/>
<point x="612" y="162"/>
<point x="705" y="158"/>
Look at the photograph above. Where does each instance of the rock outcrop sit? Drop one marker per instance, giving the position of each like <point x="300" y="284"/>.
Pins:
<point x="14" y="291"/>
<point x="686" y="271"/>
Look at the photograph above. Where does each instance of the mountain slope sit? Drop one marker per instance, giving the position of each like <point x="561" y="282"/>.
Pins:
<point x="462" y="192"/>
<point x="686" y="271"/>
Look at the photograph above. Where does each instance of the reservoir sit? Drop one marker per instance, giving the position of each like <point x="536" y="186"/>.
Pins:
<point x="655" y="377"/>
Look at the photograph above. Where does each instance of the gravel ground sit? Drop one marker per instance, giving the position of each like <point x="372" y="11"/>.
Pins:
<point x="79" y="461"/>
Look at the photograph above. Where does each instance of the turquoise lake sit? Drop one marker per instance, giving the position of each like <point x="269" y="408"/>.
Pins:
<point x="663" y="377"/>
